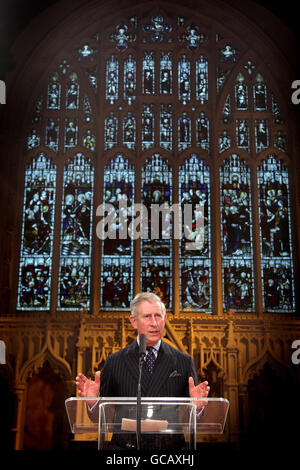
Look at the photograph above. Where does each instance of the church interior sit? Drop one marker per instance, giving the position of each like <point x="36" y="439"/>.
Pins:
<point x="133" y="104"/>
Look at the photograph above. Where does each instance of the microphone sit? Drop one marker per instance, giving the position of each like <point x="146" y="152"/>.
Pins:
<point x="142" y="351"/>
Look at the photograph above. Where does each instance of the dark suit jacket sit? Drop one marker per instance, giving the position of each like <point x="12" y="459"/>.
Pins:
<point x="119" y="378"/>
<point x="172" y="369"/>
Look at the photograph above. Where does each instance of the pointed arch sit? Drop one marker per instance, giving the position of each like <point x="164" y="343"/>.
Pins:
<point x="94" y="98"/>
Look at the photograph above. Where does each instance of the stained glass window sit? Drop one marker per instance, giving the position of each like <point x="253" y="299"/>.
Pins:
<point x="228" y="54"/>
<point x="202" y="132"/>
<point x="226" y="111"/>
<point x="33" y="140"/>
<point x="242" y="134"/>
<point x="38" y="110"/>
<point x="52" y="134"/>
<point x="192" y="37"/>
<point x="195" y="262"/>
<point x="147" y="127"/>
<point x="260" y="93"/>
<point x="87" y="110"/>
<point x="241" y="93"/>
<point x="166" y="73"/>
<point x="72" y="92"/>
<point x="116" y="290"/>
<point x="76" y="234"/>
<point x="184" y="132"/>
<point x="54" y="93"/>
<point x="163" y="85"/>
<point x="110" y="131"/>
<point x="89" y="141"/>
<point x="166" y="127"/>
<point x="280" y="141"/>
<point x="112" y="79"/>
<point x="37" y="235"/>
<point x="157" y="28"/>
<point x="86" y="53"/>
<point x="148" y="85"/>
<point x="261" y="134"/>
<point x="236" y="226"/>
<point x="275" y="236"/>
<point x="202" y="80"/>
<point x="129" y="131"/>
<point x="184" y="80"/>
<point x="121" y="37"/>
<point x="129" y="80"/>
<point x="277" y="117"/>
<point x="71" y="133"/>
<point x="224" y="141"/>
<point x="156" y="246"/>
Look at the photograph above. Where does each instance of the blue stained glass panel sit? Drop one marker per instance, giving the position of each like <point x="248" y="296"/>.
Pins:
<point x="116" y="290"/>
<point x="202" y="80"/>
<point x="148" y="83"/>
<point x="110" y="131"/>
<point x="33" y="140"/>
<point x="37" y="235"/>
<point x="129" y="131"/>
<point x="202" y="132"/>
<point x="147" y="127"/>
<point x="52" y="134"/>
<point x="72" y="92"/>
<point x="236" y="235"/>
<point x="280" y="141"/>
<point x="276" y="236"/>
<point x="261" y="134"/>
<point x="166" y="127"/>
<point x="129" y="80"/>
<point x="117" y="244"/>
<point x="166" y="73"/>
<point x="184" y="132"/>
<point x="260" y="94"/>
<point x="76" y="234"/>
<point x="224" y="141"/>
<point x="228" y="54"/>
<point x="243" y="134"/>
<point x="89" y="141"/>
<point x="241" y="93"/>
<point x="112" y="80"/>
<point x="156" y="244"/>
<point x="238" y="285"/>
<point x="157" y="28"/>
<point x="184" y="80"/>
<point x="71" y="133"/>
<point x="226" y="111"/>
<point x="121" y="37"/>
<point x="194" y="251"/>
<point x="54" y="93"/>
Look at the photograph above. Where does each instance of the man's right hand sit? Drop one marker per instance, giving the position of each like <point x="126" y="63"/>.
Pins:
<point x="87" y="387"/>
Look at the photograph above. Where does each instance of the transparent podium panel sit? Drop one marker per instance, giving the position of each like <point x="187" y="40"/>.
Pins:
<point x="159" y="416"/>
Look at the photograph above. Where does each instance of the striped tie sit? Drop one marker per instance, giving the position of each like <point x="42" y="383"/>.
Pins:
<point x="150" y="359"/>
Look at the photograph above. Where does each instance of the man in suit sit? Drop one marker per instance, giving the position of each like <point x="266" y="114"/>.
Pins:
<point x="173" y="373"/>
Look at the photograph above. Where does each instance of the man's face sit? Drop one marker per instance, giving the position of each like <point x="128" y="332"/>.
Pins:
<point x="150" y="321"/>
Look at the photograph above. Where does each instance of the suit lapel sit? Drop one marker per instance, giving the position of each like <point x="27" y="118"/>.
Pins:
<point x="164" y="365"/>
<point x="132" y="361"/>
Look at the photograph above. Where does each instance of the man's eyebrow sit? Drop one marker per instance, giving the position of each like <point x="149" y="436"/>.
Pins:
<point x="154" y="313"/>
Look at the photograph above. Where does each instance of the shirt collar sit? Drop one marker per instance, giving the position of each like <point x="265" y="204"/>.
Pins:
<point x="156" y="346"/>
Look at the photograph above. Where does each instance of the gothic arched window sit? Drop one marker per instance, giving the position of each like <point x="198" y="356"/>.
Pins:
<point x="158" y="123"/>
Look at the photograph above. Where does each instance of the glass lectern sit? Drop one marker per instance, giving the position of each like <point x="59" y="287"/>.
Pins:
<point x="115" y="417"/>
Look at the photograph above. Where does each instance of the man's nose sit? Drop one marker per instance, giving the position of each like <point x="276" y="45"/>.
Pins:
<point x="153" y="320"/>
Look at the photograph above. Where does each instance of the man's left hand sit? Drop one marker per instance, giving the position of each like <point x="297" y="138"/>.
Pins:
<point x="198" y="391"/>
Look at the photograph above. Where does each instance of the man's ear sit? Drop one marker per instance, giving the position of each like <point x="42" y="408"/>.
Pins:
<point x="133" y="321"/>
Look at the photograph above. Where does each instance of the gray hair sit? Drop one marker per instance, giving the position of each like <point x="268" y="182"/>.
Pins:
<point x="146" y="296"/>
